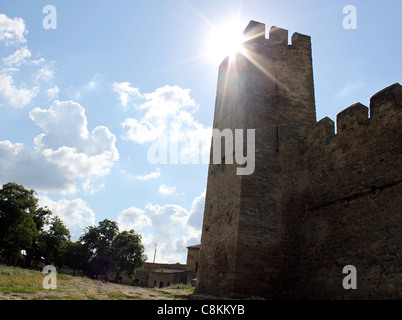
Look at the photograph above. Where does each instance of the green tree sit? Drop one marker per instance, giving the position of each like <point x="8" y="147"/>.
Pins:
<point x="20" y="218"/>
<point x="128" y="253"/>
<point x="41" y="218"/>
<point x="53" y="243"/>
<point x="111" y="250"/>
<point x="99" y="240"/>
<point x="77" y="256"/>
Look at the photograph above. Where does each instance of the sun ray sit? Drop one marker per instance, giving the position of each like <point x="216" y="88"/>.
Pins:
<point x="198" y="13"/>
<point x="174" y="65"/>
<point x="257" y="61"/>
<point x="225" y="40"/>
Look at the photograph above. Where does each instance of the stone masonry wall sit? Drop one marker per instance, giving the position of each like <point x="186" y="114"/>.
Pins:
<point x="317" y="201"/>
<point x="243" y="251"/>
<point x="352" y="193"/>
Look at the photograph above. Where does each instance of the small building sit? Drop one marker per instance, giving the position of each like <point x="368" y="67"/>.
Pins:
<point x="162" y="278"/>
<point x="143" y="277"/>
<point x="192" y="262"/>
<point x="161" y="275"/>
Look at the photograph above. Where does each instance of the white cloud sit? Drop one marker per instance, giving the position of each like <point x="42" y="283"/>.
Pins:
<point x="125" y="91"/>
<point x="18" y="57"/>
<point x="165" y="190"/>
<point x="12" y="30"/>
<point x="18" y="95"/>
<point x="143" y="131"/>
<point x="197" y="213"/>
<point x="67" y="142"/>
<point x="168" y="119"/>
<point x="88" y="186"/>
<point x="64" y="124"/>
<point x="52" y="93"/>
<point x="31" y="169"/>
<point x="171" y="226"/>
<point x="75" y="213"/>
<point x="45" y="73"/>
<point x="15" y="97"/>
<point x="65" y="153"/>
<point x="167" y="101"/>
<point x="133" y="218"/>
<point x="148" y="176"/>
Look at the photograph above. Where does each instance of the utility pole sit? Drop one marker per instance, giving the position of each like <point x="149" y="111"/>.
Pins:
<point x="155" y="253"/>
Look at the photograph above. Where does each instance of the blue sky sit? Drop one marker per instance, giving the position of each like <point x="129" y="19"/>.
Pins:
<point x="82" y="105"/>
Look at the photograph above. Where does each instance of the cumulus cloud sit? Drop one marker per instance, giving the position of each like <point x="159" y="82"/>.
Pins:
<point x="171" y="226"/>
<point x="125" y="92"/>
<point x="167" y="101"/>
<point x="133" y="218"/>
<point x="15" y="97"/>
<point x="75" y="213"/>
<point x="17" y="58"/>
<point x="167" y="120"/>
<point x="64" y="154"/>
<point x="161" y="107"/>
<point x="12" y="30"/>
<point x="30" y="168"/>
<point x="196" y="213"/>
<point x="165" y="190"/>
<point x="142" y="131"/>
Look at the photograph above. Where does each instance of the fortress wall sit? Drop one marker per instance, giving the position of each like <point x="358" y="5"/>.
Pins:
<point x="317" y="201"/>
<point x="352" y="194"/>
<point x="365" y="233"/>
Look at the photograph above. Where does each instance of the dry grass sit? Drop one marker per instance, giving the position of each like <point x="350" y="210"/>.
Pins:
<point x="18" y="284"/>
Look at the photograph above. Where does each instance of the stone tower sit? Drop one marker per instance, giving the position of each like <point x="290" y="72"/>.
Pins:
<point x="317" y="201"/>
<point x="268" y="86"/>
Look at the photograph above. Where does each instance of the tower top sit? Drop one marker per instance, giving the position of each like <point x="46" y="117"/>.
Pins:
<point x="256" y="31"/>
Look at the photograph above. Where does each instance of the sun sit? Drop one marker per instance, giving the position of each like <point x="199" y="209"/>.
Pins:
<point x="225" y="41"/>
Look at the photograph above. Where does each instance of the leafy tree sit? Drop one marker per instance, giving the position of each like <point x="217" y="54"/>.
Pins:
<point x="99" y="240"/>
<point x="19" y="218"/>
<point x="112" y="250"/>
<point x="77" y="256"/>
<point x="127" y="252"/>
<point x="34" y="250"/>
<point x="53" y="243"/>
<point x="101" y="248"/>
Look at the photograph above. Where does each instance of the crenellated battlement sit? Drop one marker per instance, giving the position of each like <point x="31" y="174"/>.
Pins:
<point x="384" y="107"/>
<point x="255" y="31"/>
<point x="351" y="117"/>
<point x="386" y="102"/>
<point x="323" y="131"/>
<point x="358" y="158"/>
<point x="278" y="36"/>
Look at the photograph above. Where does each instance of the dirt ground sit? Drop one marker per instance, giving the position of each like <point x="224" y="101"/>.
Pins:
<point x="78" y="288"/>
